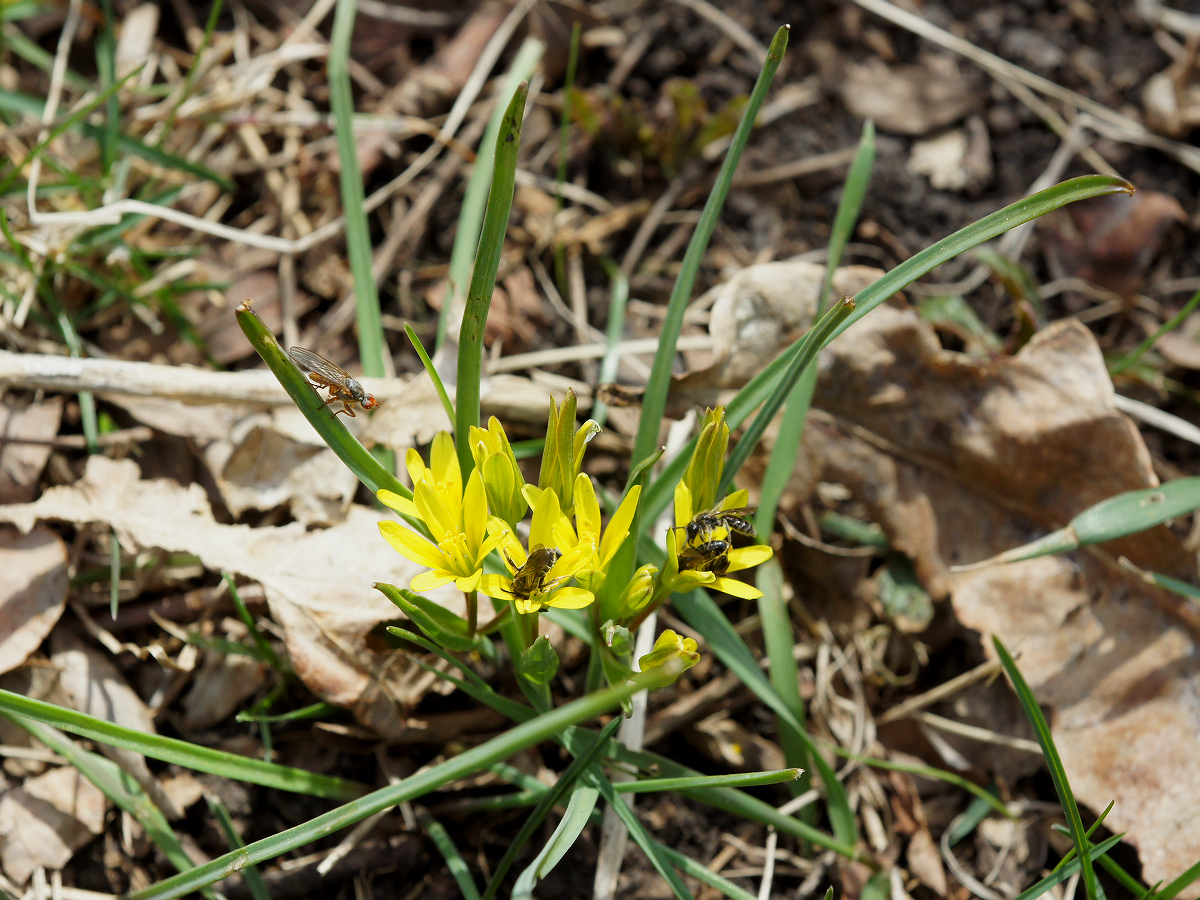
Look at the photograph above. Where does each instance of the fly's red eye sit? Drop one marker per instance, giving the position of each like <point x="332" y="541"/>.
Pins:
<point x="369" y="402"/>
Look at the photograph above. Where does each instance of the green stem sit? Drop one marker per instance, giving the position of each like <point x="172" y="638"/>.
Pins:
<point x="472" y="612"/>
<point x="483" y="279"/>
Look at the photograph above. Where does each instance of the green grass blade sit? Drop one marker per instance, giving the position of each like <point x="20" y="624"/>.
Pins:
<point x="655" y="399"/>
<point x="846" y="217"/>
<point x="566" y="782"/>
<point x="193" y="756"/>
<point x="689" y="866"/>
<point x="700" y="611"/>
<point x="1058" y="876"/>
<point x="658" y="495"/>
<point x="1170" y="325"/>
<point x="470" y="214"/>
<point x="466" y="763"/>
<point x="738" y="780"/>
<point x="483" y="278"/>
<point x="570" y="826"/>
<point x="432" y="372"/>
<point x="1169" y="891"/>
<point x="1116" y="517"/>
<point x="356" y="457"/>
<point x="1054" y="763"/>
<point x="254" y="880"/>
<point x="618" y="298"/>
<point x="371" y="344"/>
<point x="459" y="870"/>
<point x="116" y="784"/>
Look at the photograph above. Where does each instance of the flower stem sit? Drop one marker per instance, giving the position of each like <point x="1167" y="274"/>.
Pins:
<point x="472" y="612"/>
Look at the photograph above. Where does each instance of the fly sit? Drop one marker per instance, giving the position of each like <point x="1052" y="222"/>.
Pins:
<point x="711" y="556"/>
<point x="706" y="523"/>
<point x="530" y="578"/>
<point x="342" y="386"/>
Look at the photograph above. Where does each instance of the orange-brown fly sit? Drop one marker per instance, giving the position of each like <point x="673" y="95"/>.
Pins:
<point x="343" y="387"/>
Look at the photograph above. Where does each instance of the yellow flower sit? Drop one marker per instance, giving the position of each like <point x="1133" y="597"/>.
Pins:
<point x="536" y="584"/>
<point x="456" y="518"/>
<point x="604" y="541"/>
<point x="501" y="475"/>
<point x="671" y="646"/>
<point x="735" y="559"/>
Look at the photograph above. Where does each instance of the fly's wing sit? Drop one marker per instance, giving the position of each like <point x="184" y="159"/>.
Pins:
<point x="315" y="362"/>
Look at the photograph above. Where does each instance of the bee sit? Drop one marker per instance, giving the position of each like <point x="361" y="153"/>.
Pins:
<point x="530" y="578"/>
<point x="343" y="387"/>
<point x="706" y="523"/>
<point x="711" y="556"/>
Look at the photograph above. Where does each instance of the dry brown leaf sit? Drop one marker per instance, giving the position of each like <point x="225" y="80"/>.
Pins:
<point x="93" y="685"/>
<point x="959" y="459"/>
<point x="33" y="591"/>
<point x="761" y="311"/>
<point x="904" y="99"/>
<point x="48" y="818"/>
<point x="219" y="688"/>
<point x="1110" y="241"/>
<point x="21" y="463"/>
<point x="317" y="583"/>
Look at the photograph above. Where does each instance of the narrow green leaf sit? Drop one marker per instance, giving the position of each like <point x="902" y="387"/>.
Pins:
<point x="466" y="763"/>
<point x="1058" y="876"/>
<point x="569" y="828"/>
<point x="116" y="784"/>
<point x="654" y="401"/>
<point x="846" y="217"/>
<point x="739" y="780"/>
<point x="356" y="457"/>
<point x="432" y="372"/>
<point x="371" y="344"/>
<point x="483" y="278"/>
<point x="1108" y="520"/>
<point x="470" y="214"/>
<point x="689" y="866"/>
<point x="459" y="870"/>
<point x="193" y="756"/>
<point x="1168" y="326"/>
<point x="1058" y="774"/>
<point x="254" y="880"/>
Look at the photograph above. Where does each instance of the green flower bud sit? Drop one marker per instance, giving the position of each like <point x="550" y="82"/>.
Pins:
<point x="617" y="638"/>
<point x="703" y="473"/>
<point x="502" y="476"/>
<point x="539" y="662"/>
<point x="671" y="646"/>
<point x="637" y="593"/>
<point x="563" y="453"/>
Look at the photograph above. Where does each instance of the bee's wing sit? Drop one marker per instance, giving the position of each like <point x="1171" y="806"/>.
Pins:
<point x="315" y="362"/>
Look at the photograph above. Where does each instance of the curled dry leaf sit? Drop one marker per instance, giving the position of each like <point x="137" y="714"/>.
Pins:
<point x="223" y="683"/>
<point x="33" y="591"/>
<point x="317" y="583"/>
<point x="46" y="819"/>
<point x="958" y="459"/>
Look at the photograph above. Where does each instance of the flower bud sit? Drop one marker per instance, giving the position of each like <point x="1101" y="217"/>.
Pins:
<point x="617" y="638"/>
<point x="539" y="662"/>
<point x="637" y="593"/>
<point x="502" y="476"/>
<point x="671" y="646"/>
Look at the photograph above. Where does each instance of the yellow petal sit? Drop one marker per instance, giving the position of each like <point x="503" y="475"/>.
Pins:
<point x="495" y="586"/>
<point x="587" y="510"/>
<point x="736" y="500"/>
<point x="570" y="598"/>
<point x="545" y="514"/>
<point x="683" y="505"/>
<point x="570" y="562"/>
<point x="475" y="511"/>
<point x="745" y="557"/>
<point x="411" y="545"/>
<point x="443" y="460"/>
<point x="415" y="465"/>
<point x="618" y="525"/>
<point x="736" y="588"/>
<point x="432" y="508"/>
<point x="427" y="581"/>
<point x="468" y="583"/>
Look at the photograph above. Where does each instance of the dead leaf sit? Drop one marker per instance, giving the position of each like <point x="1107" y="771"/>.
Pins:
<point x="1110" y="241"/>
<point x="93" y="685"/>
<point x="21" y="463"/>
<point x="33" y="591"/>
<point x="761" y="310"/>
<point x="905" y="99"/>
<point x="48" y="818"/>
<point x="317" y="583"/>
<point x="959" y="160"/>
<point x="223" y="683"/>
<point x="957" y="459"/>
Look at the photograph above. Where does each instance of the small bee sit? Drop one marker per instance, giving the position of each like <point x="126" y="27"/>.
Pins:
<point x="343" y="387"/>
<point x="530" y="578"/>
<point x="706" y="523"/>
<point x="711" y="556"/>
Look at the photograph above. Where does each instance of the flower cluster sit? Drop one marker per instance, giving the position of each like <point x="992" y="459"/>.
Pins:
<point x="461" y="527"/>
